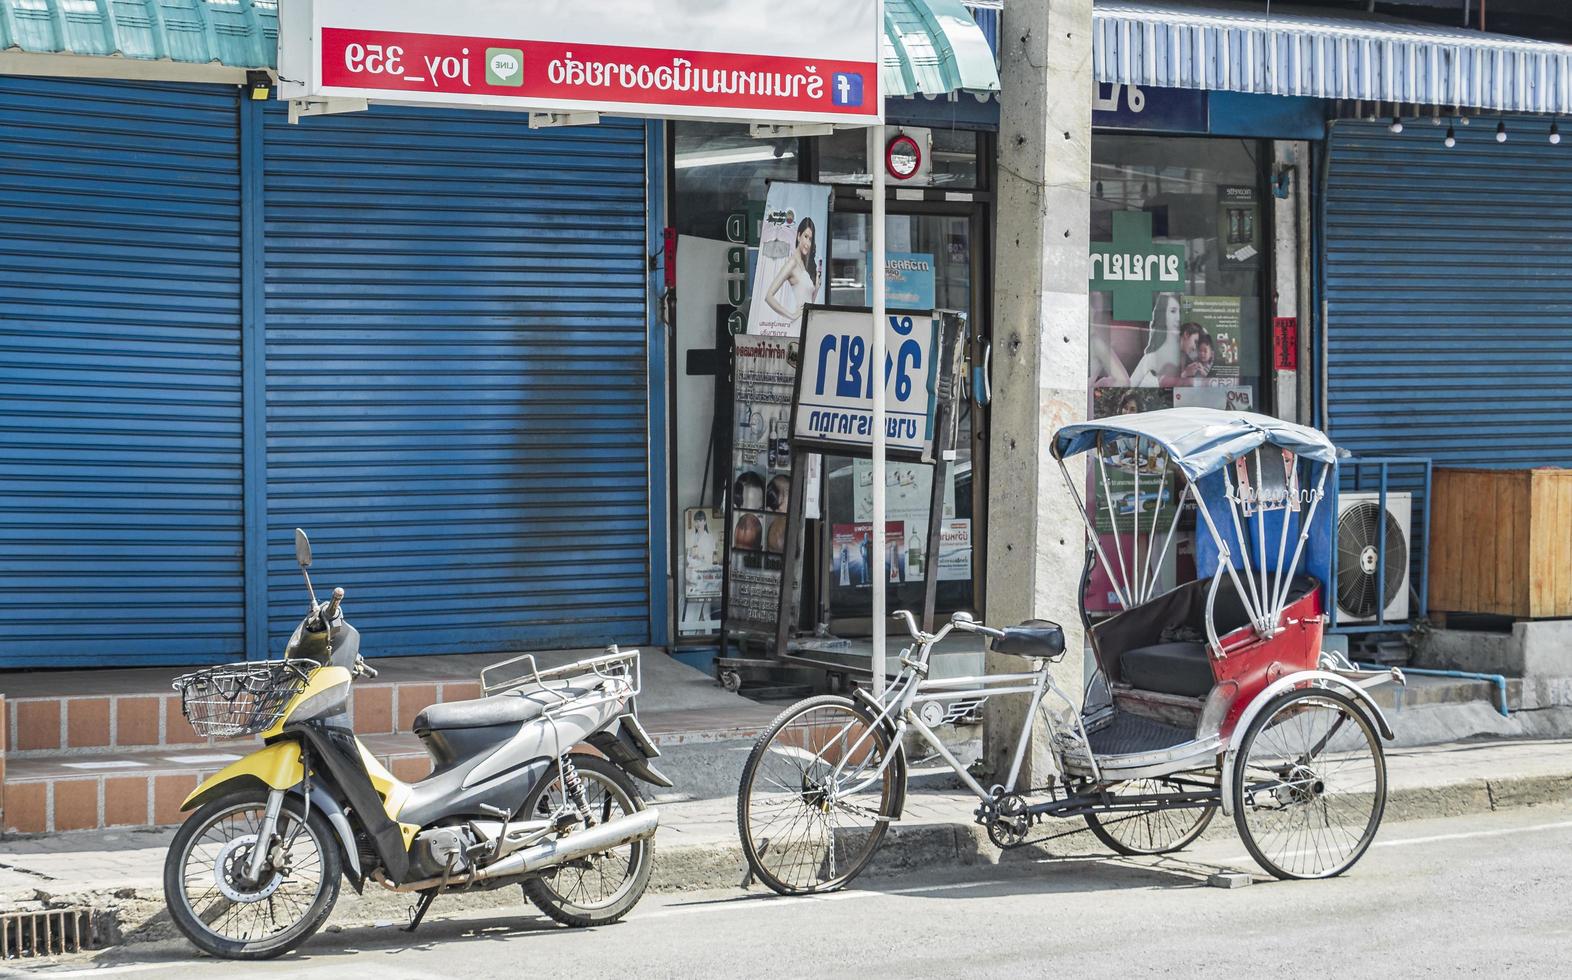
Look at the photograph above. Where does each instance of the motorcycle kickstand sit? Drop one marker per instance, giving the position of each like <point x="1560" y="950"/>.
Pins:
<point x="426" y="898"/>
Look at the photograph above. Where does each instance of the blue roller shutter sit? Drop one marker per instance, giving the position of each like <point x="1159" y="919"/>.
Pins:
<point x="456" y="377"/>
<point x="120" y="374"/>
<point x="1448" y="284"/>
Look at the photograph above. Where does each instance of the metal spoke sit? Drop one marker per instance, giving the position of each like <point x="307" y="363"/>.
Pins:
<point x="1314" y="786"/>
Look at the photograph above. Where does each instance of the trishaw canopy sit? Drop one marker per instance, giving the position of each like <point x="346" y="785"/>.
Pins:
<point x="1199" y="441"/>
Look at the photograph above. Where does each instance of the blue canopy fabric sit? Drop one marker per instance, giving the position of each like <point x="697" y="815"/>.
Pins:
<point x="1199" y="441"/>
<point x="1248" y="555"/>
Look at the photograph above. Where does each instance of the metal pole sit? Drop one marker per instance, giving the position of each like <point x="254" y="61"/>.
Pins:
<point x="876" y="277"/>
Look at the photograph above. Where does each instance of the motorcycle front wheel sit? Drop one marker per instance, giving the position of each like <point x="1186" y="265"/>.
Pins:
<point x="222" y="912"/>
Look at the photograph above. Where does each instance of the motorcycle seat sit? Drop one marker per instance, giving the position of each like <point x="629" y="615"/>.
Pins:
<point x="1037" y="638"/>
<point x="508" y="708"/>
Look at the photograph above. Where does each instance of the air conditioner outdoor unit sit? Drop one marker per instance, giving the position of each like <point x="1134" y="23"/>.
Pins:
<point x="1360" y="525"/>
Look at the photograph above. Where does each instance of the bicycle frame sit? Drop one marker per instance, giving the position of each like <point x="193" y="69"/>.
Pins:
<point x="911" y="688"/>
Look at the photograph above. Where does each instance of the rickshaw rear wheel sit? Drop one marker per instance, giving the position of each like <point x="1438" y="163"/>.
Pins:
<point x="1309" y="784"/>
<point x="1150" y="832"/>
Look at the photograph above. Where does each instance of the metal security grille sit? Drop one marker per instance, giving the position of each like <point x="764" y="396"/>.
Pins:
<point x="120" y="374"/>
<point x="456" y="377"/>
<point x="1448" y="290"/>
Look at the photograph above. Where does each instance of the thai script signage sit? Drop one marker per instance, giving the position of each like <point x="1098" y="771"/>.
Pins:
<point x="834" y="404"/>
<point x="1169" y="110"/>
<point x="633" y="56"/>
<point x="1135" y="268"/>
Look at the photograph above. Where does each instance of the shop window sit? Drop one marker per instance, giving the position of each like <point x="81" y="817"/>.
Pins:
<point x="938" y="250"/>
<point x="1179" y="245"/>
<point x="843" y="156"/>
<point x="718" y="169"/>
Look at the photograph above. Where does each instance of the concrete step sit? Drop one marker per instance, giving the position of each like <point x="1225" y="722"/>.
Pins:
<point x="150" y="720"/>
<point x="144" y="785"/>
<point x="47" y="713"/>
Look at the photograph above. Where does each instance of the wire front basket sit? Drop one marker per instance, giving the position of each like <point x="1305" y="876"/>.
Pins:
<point x="240" y="699"/>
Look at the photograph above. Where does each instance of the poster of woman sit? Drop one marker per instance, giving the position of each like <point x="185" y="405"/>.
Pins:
<point x="790" y="270"/>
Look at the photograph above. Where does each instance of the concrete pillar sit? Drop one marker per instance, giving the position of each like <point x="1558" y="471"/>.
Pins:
<point x="1035" y="537"/>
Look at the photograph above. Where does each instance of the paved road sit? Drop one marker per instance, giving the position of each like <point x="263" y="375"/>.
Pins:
<point x="1482" y="895"/>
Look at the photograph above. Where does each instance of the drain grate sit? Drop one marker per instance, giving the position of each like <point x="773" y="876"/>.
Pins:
<point x="46" y="932"/>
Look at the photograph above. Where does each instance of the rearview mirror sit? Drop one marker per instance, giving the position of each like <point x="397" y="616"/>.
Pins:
<point x="302" y="548"/>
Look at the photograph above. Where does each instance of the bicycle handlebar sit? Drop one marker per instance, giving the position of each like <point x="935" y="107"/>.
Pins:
<point x="961" y="620"/>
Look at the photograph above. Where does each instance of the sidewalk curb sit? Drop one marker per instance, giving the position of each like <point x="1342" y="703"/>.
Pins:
<point x="138" y="914"/>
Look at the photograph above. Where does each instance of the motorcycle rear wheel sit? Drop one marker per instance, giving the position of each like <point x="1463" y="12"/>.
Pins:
<point x="227" y="917"/>
<point x="604" y="887"/>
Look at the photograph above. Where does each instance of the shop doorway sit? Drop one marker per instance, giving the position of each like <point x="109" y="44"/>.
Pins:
<point x="943" y="247"/>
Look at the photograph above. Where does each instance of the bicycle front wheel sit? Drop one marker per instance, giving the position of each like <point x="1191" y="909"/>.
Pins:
<point x="817" y="795"/>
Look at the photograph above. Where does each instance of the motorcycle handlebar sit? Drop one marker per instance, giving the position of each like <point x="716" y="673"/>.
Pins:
<point x="332" y="606"/>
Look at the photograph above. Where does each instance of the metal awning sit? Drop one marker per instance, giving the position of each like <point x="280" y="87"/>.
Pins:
<point x="931" y="47"/>
<point x="1243" y="48"/>
<point x="934" y="48"/>
<point x="174" y="40"/>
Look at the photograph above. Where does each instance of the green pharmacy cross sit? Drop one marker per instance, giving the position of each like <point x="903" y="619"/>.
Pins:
<point x="1134" y="268"/>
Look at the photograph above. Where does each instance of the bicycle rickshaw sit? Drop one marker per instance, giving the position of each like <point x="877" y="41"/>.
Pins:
<point x="1214" y="694"/>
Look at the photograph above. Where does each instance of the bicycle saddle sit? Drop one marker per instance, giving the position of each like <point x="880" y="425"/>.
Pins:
<point x="1034" y="638"/>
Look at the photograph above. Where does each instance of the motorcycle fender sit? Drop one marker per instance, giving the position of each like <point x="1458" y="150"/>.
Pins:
<point x="623" y="746"/>
<point x="323" y="801"/>
<point x="277" y="766"/>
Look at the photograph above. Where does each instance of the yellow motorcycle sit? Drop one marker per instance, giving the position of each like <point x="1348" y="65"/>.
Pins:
<point x="255" y="869"/>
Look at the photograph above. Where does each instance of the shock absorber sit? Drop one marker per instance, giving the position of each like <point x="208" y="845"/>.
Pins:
<point x="573" y="788"/>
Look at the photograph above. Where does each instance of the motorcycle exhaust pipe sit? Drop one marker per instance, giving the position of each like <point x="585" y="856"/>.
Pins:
<point x="561" y="850"/>
<point x="550" y="853"/>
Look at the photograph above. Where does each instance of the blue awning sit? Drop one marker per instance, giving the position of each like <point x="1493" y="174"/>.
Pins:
<point x="1243" y="48"/>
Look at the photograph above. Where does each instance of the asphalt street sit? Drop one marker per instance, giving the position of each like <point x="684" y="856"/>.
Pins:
<point x="1477" y="895"/>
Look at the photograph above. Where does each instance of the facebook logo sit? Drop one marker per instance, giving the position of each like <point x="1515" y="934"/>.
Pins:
<point x="846" y="89"/>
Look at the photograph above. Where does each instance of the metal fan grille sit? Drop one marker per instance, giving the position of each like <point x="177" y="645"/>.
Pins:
<point x="1359" y="555"/>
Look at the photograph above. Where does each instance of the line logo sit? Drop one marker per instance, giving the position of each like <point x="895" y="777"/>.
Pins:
<point x="504" y="66"/>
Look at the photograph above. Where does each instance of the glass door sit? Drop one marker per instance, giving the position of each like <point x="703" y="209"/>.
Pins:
<point x="932" y="268"/>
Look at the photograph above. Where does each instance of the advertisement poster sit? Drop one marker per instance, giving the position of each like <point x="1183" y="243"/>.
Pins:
<point x="789" y="274"/>
<point x="1101" y="596"/>
<point x="835" y="398"/>
<point x="955" y="551"/>
<point x="908" y="280"/>
<point x="907" y="487"/>
<point x="1134" y="467"/>
<point x="764" y="372"/>
<point x="701" y="571"/>
<point x="1238" y="226"/>
<point x="1233" y="398"/>
<point x="1219" y="345"/>
<point x="851" y="554"/>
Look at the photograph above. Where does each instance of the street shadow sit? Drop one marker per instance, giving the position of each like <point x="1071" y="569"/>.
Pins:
<point x="1058" y="875"/>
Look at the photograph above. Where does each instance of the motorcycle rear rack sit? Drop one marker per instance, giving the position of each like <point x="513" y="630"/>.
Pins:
<point x="619" y="669"/>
